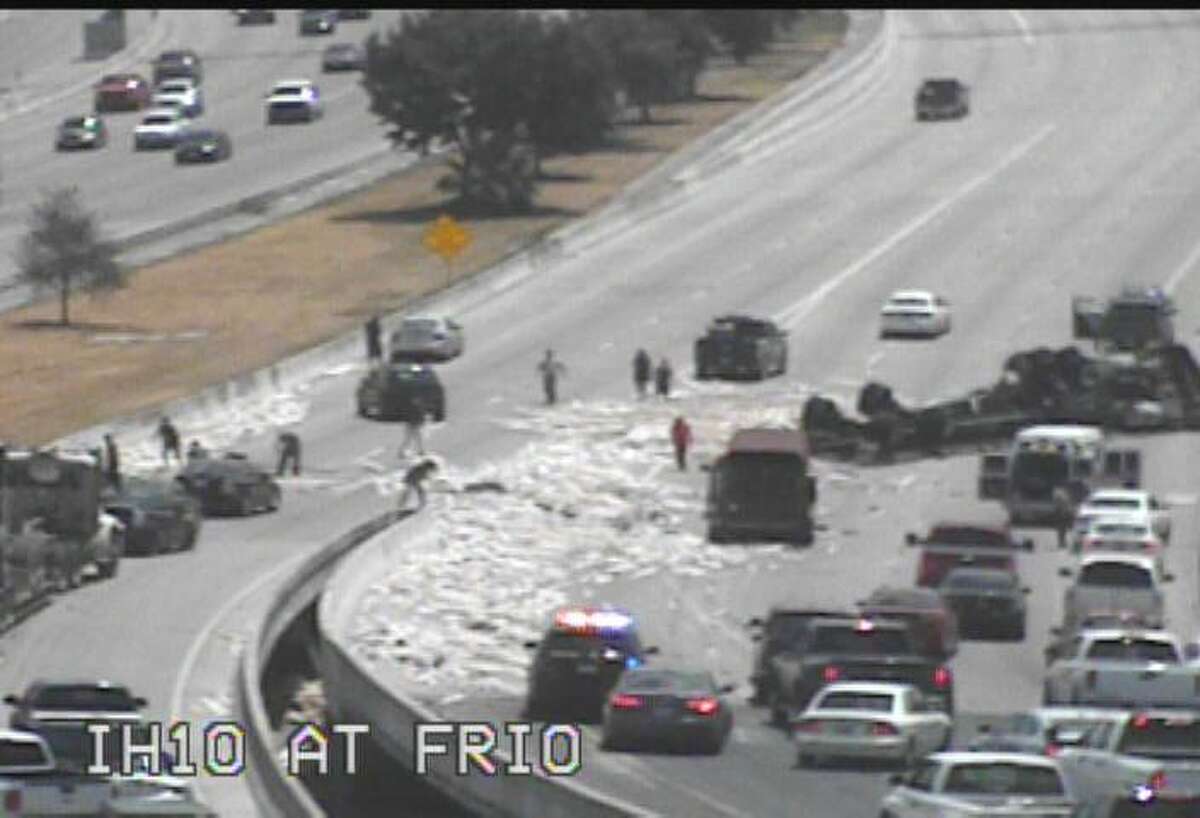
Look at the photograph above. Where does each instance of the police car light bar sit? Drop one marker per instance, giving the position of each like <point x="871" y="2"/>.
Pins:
<point x="590" y="620"/>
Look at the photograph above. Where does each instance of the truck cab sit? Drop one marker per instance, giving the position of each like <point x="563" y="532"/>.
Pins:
<point x="1044" y="458"/>
<point x="760" y="488"/>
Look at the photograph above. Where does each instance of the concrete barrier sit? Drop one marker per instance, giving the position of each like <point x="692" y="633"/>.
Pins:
<point x="279" y="795"/>
<point x="358" y="692"/>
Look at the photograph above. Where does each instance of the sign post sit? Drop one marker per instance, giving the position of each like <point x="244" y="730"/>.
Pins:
<point x="447" y="238"/>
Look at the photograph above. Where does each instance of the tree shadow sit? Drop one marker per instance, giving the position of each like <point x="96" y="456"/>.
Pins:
<point x="53" y="324"/>
<point x="456" y="208"/>
<point x="724" y="98"/>
<point x="551" y="177"/>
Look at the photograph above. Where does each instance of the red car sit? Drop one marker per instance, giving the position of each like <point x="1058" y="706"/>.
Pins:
<point x="122" y="92"/>
<point x="951" y="545"/>
<point x="931" y="622"/>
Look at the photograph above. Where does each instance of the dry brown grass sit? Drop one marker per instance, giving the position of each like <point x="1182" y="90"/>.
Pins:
<point x="294" y="284"/>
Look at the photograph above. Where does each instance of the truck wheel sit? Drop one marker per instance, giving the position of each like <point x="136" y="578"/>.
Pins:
<point x="108" y="570"/>
<point x="805" y="760"/>
<point x="275" y="499"/>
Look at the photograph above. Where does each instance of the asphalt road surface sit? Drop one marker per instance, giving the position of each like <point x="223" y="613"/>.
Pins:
<point x="135" y="191"/>
<point x="1075" y="173"/>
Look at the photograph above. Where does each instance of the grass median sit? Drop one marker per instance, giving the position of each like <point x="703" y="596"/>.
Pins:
<point x="208" y="315"/>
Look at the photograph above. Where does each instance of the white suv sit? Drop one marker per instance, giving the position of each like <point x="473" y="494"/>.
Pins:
<point x="159" y="128"/>
<point x="181" y="93"/>
<point x="293" y="101"/>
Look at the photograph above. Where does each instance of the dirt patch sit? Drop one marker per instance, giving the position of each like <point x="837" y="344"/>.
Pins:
<point x="292" y="285"/>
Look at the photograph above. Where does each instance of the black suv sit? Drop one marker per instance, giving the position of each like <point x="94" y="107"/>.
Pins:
<point x="179" y="64"/>
<point x="942" y="99"/>
<point x="230" y="485"/>
<point x="738" y="346"/>
<point x="388" y="391"/>
<point x="579" y="661"/>
<point x="159" y="516"/>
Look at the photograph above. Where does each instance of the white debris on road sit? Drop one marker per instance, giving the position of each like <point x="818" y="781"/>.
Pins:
<point x="596" y="498"/>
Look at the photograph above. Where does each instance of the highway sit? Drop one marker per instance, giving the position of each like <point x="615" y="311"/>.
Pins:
<point x="1074" y="173"/>
<point x="136" y="191"/>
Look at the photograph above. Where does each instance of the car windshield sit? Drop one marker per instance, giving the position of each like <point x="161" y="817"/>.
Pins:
<point x="83" y="697"/>
<point x="161" y="119"/>
<point x="968" y="535"/>
<point x="1162" y="737"/>
<point x="940" y="90"/>
<point x="288" y="90"/>
<point x="980" y="580"/>
<point x="664" y="680"/>
<point x="1120" y="530"/>
<point x="863" y="642"/>
<point x="1133" y="650"/>
<point x="200" y="137"/>
<point x="579" y="644"/>
<point x="1001" y="778"/>
<point x="417" y="329"/>
<point x="1115" y="575"/>
<point x="115" y="79"/>
<point x="922" y="303"/>
<point x="846" y="700"/>
<point x="1114" y="502"/>
<point x="174" y="88"/>
<point x="75" y="122"/>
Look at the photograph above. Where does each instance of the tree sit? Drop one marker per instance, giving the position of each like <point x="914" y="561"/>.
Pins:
<point x="745" y="32"/>
<point x="63" y="251"/>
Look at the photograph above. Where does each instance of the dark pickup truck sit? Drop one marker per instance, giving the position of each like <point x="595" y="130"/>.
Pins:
<point x="780" y="630"/>
<point x="741" y="347"/>
<point x="853" y="649"/>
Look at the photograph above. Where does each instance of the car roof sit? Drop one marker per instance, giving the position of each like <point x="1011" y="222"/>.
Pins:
<point x="1065" y="431"/>
<point x="893" y="688"/>
<point x="1064" y="713"/>
<point x="197" y="134"/>
<point x="879" y="622"/>
<point x="922" y="294"/>
<point x="162" y="111"/>
<point x="1118" y="494"/>
<point x="888" y="596"/>
<point x="1132" y="633"/>
<point x="186" y="81"/>
<point x="1121" y="518"/>
<point x="967" y="757"/>
<point x="782" y="441"/>
<point x="293" y="82"/>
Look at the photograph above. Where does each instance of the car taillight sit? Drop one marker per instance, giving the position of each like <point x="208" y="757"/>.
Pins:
<point x="942" y="677"/>
<point x="831" y="674"/>
<point x="1141" y="722"/>
<point x="622" y="701"/>
<point x="808" y="726"/>
<point x="882" y="728"/>
<point x="1157" y="782"/>
<point x="12" y="802"/>
<point x="705" y="706"/>
<point x="1052" y="750"/>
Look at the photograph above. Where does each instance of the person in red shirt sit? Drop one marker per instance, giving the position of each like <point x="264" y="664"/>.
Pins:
<point x="681" y="439"/>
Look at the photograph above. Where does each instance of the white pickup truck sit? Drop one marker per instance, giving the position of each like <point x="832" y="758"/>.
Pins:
<point x="1146" y="757"/>
<point x="996" y="785"/>
<point x="1124" y="668"/>
<point x="32" y="784"/>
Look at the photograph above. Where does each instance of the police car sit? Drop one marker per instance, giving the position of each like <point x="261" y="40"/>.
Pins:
<point x="579" y="661"/>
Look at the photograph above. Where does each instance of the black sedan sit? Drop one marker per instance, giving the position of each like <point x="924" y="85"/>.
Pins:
<point x="987" y="601"/>
<point x="344" y="57"/>
<point x="159" y="516"/>
<point x="204" y="145"/>
<point x="389" y="390"/>
<point x="676" y="709"/>
<point x="230" y="485"/>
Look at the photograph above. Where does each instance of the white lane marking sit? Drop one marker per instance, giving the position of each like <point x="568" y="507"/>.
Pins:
<point x="801" y="308"/>
<point x="1022" y="24"/>
<point x="1176" y="278"/>
<point x="193" y="652"/>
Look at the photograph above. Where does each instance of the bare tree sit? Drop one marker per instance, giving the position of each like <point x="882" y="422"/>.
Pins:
<point x="63" y="250"/>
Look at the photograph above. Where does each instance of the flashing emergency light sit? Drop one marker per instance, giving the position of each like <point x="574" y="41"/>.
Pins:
<point x="631" y="662"/>
<point x="592" y="620"/>
<point x="1143" y="794"/>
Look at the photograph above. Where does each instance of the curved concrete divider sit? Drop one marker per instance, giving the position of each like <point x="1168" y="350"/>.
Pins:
<point x="277" y="794"/>
<point x="358" y="692"/>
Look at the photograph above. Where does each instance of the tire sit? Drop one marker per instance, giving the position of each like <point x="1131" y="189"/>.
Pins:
<point x="713" y="746"/>
<point x="189" y="540"/>
<point x="108" y="570"/>
<point x="805" y="760"/>
<point x="245" y="506"/>
<point x="275" y="499"/>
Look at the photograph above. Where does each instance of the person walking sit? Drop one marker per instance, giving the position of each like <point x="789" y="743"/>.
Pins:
<point x="414" y="483"/>
<point x="414" y="420"/>
<point x="551" y="369"/>
<point x="1064" y="514"/>
<point x="641" y="371"/>
<point x="681" y="439"/>
<point x="374" y="339"/>
<point x="288" y="446"/>
<point x="662" y="378"/>
<point x="169" y="436"/>
<point x="112" y="462"/>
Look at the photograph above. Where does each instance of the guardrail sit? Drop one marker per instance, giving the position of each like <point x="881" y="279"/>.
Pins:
<point x="277" y="794"/>
<point x="358" y="692"/>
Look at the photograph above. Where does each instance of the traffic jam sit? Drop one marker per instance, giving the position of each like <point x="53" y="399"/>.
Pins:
<point x="1118" y="732"/>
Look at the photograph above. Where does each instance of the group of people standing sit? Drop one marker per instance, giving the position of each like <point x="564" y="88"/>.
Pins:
<point x="644" y="369"/>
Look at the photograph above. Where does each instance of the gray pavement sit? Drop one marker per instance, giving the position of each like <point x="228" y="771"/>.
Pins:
<point x="1074" y="173"/>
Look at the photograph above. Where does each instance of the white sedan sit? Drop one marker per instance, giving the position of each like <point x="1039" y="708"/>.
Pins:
<point x="296" y="100"/>
<point x="914" y="312"/>
<point x="160" y="128"/>
<point x="181" y="93"/>
<point x="1128" y="534"/>
<point x="1126" y="501"/>
<point x="879" y="720"/>
<point x="423" y="338"/>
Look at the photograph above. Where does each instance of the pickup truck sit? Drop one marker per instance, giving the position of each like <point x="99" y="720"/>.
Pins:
<point x="1124" y="668"/>
<point x="1114" y="581"/>
<point x="847" y="649"/>
<point x="31" y="780"/>
<point x="1147" y="756"/>
<point x="958" y="544"/>
<point x="996" y="785"/>
<point x="782" y="629"/>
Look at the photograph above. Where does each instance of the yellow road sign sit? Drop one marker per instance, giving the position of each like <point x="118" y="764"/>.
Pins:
<point x="447" y="238"/>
